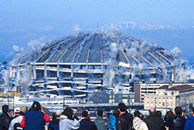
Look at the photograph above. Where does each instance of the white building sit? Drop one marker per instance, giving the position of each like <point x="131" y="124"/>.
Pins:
<point x="168" y="97"/>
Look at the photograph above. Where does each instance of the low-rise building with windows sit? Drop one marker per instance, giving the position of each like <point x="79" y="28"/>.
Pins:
<point x="168" y="97"/>
<point x="143" y="89"/>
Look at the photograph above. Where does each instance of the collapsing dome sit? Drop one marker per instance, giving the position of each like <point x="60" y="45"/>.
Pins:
<point x="87" y="62"/>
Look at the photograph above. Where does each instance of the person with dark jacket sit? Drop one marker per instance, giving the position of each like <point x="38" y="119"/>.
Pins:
<point x="35" y="118"/>
<point x="100" y="122"/>
<point x="177" y="122"/>
<point x="54" y="124"/>
<point x="153" y="121"/>
<point x="5" y="119"/>
<point x="168" y="119"/>
<point x="178" y="119"/>
<point x="189" y="125"/>
<point x="86" y="123"/>
<point x="125" y="119"/>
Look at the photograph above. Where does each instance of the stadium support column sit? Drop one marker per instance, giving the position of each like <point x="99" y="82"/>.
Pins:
<point x="71" y="70"/>
<point x="10" y="72"/>
<point x="45" y="71"/>
<point x="18" y="77"/>
<point x="87" y="88"/>
<point x="173" y="75"/>
<point x="155" y="75"/>
<point x="34" y="77"/>
<point x="34" y="72"/>
<point x="45" y="76"/>
<point x="73" y="86"/>
<point x="58" y="71"/>
<point x="10" y="77"/>
<point x="18" y="72"/>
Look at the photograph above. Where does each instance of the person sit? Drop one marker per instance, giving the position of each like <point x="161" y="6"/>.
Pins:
<point x="153" y="121"/>
<point x="138" y="124"/>
<point x="86" y="123"/>
<point x="54" y="124"/>
<point x="68" y="120"/>
<point x="125" y="119"/>
<point x="178" y="119"/>
<point x="100" y="122"/>
<point x="35" y="118"/>
<point x="189" y="124"/>
<point x="168" y="119"/>
<point x="141" y="116"/>
<point x="159" y="113"/>
<point x="113" y="119"/>
<point x="15" y="123"/>
<point x="16" y="112"/>
<point x="5" y="119"/>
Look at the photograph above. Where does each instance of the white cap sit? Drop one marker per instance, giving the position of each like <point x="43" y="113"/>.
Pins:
<point x="17" y="109"/>
<point x="58" y="112"/>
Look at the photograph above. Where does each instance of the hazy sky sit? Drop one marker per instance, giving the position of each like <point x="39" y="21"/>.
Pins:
<point x="24" y="20"/>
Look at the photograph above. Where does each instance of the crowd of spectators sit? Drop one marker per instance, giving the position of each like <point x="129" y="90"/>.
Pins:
<point x="36" y="118"/>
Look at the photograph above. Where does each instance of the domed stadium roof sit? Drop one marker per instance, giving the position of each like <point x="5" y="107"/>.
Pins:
<point x="102" y="48"/>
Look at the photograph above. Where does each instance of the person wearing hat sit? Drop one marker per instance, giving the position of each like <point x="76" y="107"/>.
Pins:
<point x="35" y="118"/>
<point x="19" y="113"/>
<point x="5" y="119"/>
<point x="54" y="124"/>
<point x="16" y="112"/>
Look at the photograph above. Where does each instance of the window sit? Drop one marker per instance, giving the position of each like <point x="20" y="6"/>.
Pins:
<point x="97" y="67"/>
<point x="76" y="67"/>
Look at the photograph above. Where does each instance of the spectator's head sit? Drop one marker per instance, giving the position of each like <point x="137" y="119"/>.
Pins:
<point x="152" y="111"/>
<point x="122" y="107"/>
<point x="116" y="112"/>
<point x="100" y="113"/>
<point x="159" y="113"/>
<point x="68" y="112"/>
<point x="137" y="114"/>
<point x="168" y="115"/>
<point x="141" y="116"/>
<point x="17" y="111"/>
<point x="5" y="108"/>
<point x="23" y="110"/>
<point x="178" y="111"/>
<point x="58" y="113"/>
<point x="84" y="114"/>
<point x="36" y="106"/>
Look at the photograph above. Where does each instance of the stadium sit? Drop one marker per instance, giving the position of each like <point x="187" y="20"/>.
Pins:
<point x="80" y="64"/>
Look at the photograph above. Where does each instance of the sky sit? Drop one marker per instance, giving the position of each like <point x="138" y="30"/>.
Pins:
<point x="169" y="23"/>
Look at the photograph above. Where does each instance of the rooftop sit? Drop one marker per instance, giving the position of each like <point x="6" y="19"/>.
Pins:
<point x="100" y="48"/>
<point x="178" y="88"/>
